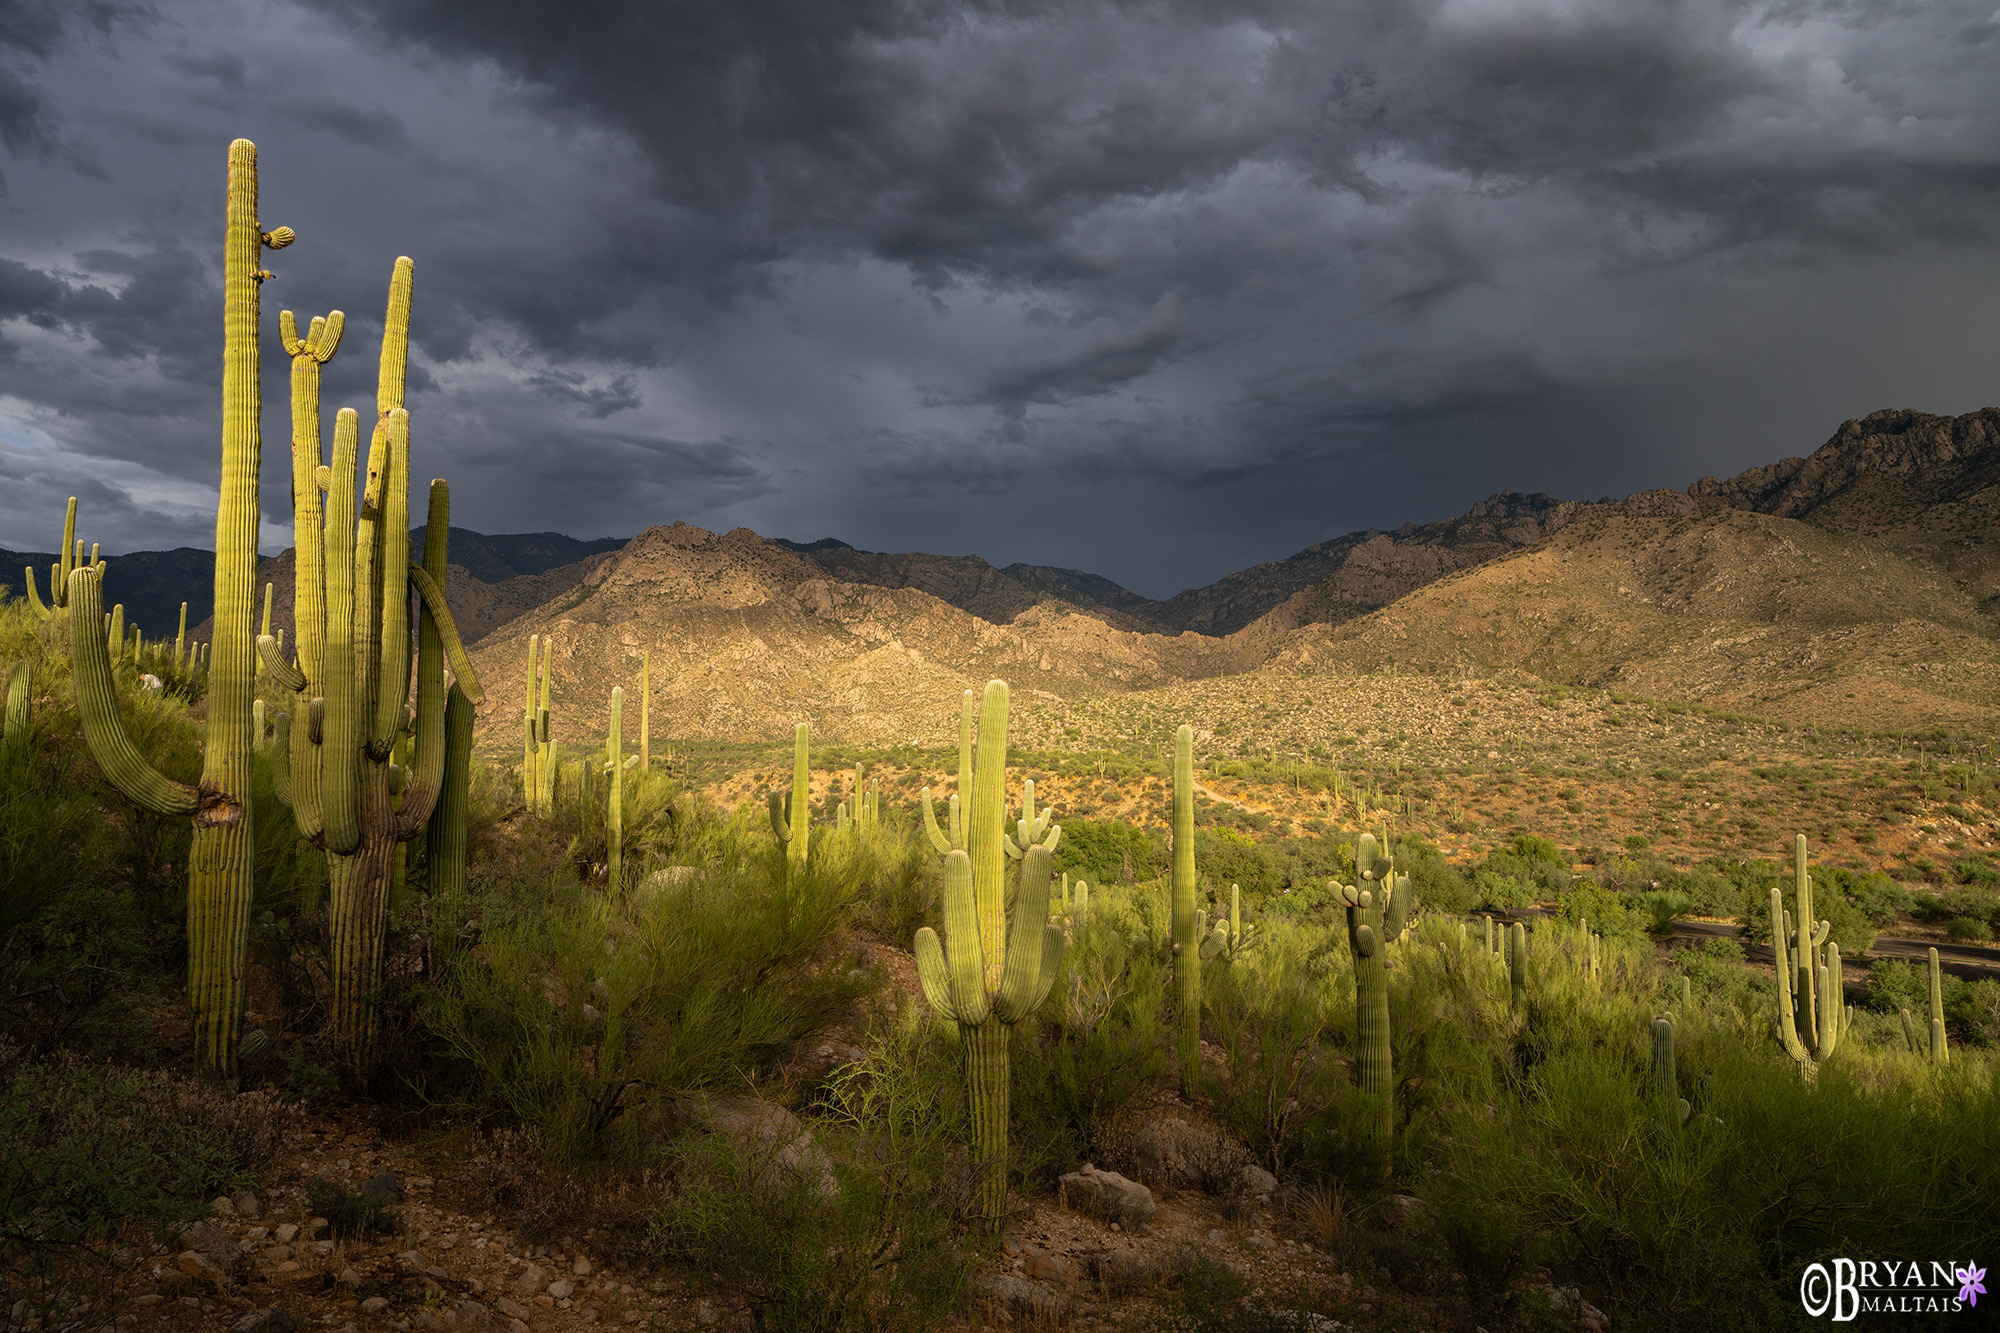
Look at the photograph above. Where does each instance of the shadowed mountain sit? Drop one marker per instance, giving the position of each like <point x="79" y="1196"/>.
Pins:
<point x="151" y="585"/>
<point x="971" y="584"/>
<point x="511" y="555"/>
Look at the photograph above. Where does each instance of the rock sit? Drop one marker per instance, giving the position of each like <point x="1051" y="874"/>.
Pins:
<point x="247" y="1205"/>
<point x="470" y="1314"/>
<point x="1043" y="1266"/>
<point x="774" y="1142"/>
<point x="268" y="1320"/>
<point x="581" y="1268"/>
<point x="1257" y="1241"/>
<point x="1020" y="1297"/>
<point x="375" y="1305"/>
<point x="530" y="1280"/>
<point x="706" y="1312"/>
<point x="382" y="1190"/>
<point x="350" y="1279"/>
<point x="285" y="1234"/>
<point x="276" y="1254"/>
<point x="1410" y="1212"/>
<point x="1258" y="1181"/>
<point x="1108" y="1195"/>
<point x="213" y="1244"/>
<point x="223" y="1206"/>
<point x="562" y="1290"/>
<point x="512" y="1309"/>
<point x="197" y="1266"/>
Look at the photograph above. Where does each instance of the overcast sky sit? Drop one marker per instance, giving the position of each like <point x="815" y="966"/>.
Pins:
<point x="1157" y="290"/>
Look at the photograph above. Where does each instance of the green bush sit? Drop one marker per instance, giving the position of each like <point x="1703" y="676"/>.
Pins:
<point x="1851" y="928"/>
<point x="574" y="1010"/>
<point x="1108" y="851"/>
<point x="1589" y="904"/>
<point x="1968" y="928"/>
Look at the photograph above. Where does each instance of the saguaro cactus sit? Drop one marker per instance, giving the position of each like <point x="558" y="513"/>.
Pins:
<point x="614" y="811"/>
<point x="1517" y="959"/>
<point x="791" y="820"/>
<point x="1378" y="906"/>
<point x="1812" y="1017"/>
<point x="1940" y="1054"/>
<point x="1663" y="1069"/>
<point x="538" y="762"/>
<point x="220" y="860"/>
<point x="59" y="572"/>
<point x="646" y="711"/>
<point x="352" y="679"/>
<point x="992" y="969"/>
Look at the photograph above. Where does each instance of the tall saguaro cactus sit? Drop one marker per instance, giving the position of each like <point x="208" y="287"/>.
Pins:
<point x="352" y="678"/>
<point x="992" y="968"/>
<point x="614" y="811"/>
<point x="220" y="859"/>
<point x="1812" y="1017"/>
<point x="791" y="821"/>
<point x="69" y="559"/>
<point x="1186" y="931"/>
<point x="1940" y="1054"/>
<point x="1378" y="906"/>
<point x="538" y="757"/>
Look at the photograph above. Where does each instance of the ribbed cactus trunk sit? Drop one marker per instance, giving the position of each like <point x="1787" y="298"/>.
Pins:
<point x="221" y="856"/>
<point x="1378" y="904"/>
<point x="1186" y="935"/>
<point x="646" y="712"/>
<point x="791" y="817"/>
<point x="444" y="836"/>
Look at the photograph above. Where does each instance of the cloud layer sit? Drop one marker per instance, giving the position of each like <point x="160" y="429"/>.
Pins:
<point x="1157" y="290"/>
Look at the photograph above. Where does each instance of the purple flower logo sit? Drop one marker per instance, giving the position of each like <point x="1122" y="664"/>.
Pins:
<point x="1974" y="1284"/>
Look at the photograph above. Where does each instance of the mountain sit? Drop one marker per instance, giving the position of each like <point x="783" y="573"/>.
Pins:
<point x="150" y="585"/>
<point x="972" y="584"/>
<point x="749" y="635"/>
<point x="510" y="556"/>
<point x="1733" y="609"/>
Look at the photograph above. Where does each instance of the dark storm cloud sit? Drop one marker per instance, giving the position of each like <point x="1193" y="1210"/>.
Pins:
<point x="1154" y="288"/>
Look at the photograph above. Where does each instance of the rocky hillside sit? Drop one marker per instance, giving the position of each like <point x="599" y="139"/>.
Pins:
<point x="748" y="636"/>
<point x="1736" y="610"/>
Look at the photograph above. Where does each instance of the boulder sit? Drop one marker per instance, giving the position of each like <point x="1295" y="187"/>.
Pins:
<point x="1108" y="1195"/>
<point x="214" y="1244"/>
<point x="1020" y="1297"/>
<point x="1259" y="1182"/>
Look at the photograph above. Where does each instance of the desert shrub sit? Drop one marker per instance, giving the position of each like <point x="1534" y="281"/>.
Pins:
<point x="884" y="1249"/>
<point x="351" y="1213"/>
<point x="98" y="1157"/>
<point x="1720" y="983"/>
<point x="1589" y="904"/>
<point x="1097" y="1042"/>
<point x="1972" y="1011"/>
<point x="1659" y="908"/>
<point x="1879" y="898"/>
<point x="1708" y="893"/>
<point x="1894" y="984"/>
<point x="1435" y="881"/>
<point x="1108" y="851"/>
<point x="573" y="1009"/>
<point x="1497" y="892"/>
<point x="1968" y="928"/>
<point x="1851" y="928"/>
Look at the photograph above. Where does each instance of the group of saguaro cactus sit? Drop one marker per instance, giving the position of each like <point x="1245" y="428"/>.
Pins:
<point x="791" y="815"/>
<point x="1812" y="1012"/>
<point x="863" y="814"/>
<point x="351" y="678"/>
<point x="68" y="562"/>
<point x="538" y="757"/>
<point x="1378" y="906"/>
<point x="221" y="853"/>
<point x="994" y="966"/>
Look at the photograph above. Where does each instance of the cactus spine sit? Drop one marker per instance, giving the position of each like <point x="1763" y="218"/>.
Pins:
<point x="1940" y="1053"/>
<point x="352" y="678"/>
<point x="991" y="970"/>
<point x="1378" y="905"/>
<point x="221" y="858"/>
<point x="791" y="821"/>
<point x="1663" y="1070"/>
<point x="1811" y="1015"/>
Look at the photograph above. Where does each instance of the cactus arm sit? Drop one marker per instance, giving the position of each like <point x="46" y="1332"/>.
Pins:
<point x="1214" y="941"/>
<point x="454" y="647"/>
<point x="20" y="702"/>
<point x="1012" y="848"/>
<point x="1053" y="944"/>
<point x="368" y="590"/>
<point x="964" y="954"/>
<point x="1398" y="912"/>
<point x="340" y="736"/>
<point x="1788" y="1030"/>
<point x="71" y="556"/>
<point x="428" y="765"/>
<point x="394" y="693"/>
<point x="935" y="975"/>
<point x="97" y="709"/>
<point x="939" y="842"/>
<point x="779" y="827"/>
<point x="1026" y="934"/>
<point x="1833" y="1001"/>
<point x="283" y="673"/>
<point x="42" y="612"/>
